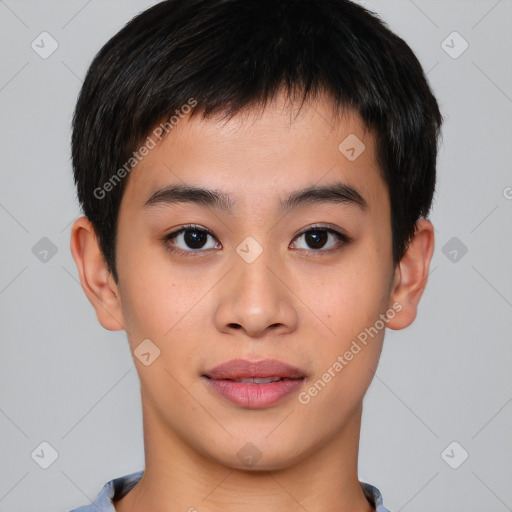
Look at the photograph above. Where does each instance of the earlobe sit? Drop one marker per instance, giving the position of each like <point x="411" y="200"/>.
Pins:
<point x="96" y="281"/>
<point x="411" y="275"/>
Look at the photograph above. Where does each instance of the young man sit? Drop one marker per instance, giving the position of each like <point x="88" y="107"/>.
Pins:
<point x="255" y="178"/>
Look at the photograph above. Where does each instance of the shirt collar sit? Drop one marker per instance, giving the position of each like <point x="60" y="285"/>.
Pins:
<point x="118" y="487"/>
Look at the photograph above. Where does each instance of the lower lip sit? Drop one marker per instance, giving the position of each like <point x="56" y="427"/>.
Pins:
<point x="255" y="396"/>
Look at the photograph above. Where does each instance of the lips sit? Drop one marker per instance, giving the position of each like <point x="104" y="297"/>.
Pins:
<point x="254" y="385"/>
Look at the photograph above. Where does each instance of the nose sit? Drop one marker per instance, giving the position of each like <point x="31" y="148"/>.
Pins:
<point x="256" y="299"/>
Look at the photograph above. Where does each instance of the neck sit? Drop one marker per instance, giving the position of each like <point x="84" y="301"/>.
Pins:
<point x="178" y="477"/>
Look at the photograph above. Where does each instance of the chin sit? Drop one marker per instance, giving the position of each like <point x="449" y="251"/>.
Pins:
<point x="257" y="456"/>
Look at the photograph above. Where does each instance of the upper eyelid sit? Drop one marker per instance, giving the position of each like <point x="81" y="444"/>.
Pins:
<point x="190" y="227"/>
<point x="327" y="227"/>
<point x="197" y="227"/>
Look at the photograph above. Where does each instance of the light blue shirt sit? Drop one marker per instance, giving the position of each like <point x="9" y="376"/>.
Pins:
<point x="120" y="486"/>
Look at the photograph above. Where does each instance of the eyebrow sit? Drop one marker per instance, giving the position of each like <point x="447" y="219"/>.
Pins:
<point x="338" y="193"/>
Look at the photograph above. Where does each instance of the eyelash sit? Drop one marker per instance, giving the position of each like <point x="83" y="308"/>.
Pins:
<point x="342" y="240"/>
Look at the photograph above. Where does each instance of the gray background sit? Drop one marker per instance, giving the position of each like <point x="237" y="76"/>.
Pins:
<point x="67" y="381"/>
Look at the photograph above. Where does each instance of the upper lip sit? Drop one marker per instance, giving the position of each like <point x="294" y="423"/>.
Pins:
<point x="245" y="369"/>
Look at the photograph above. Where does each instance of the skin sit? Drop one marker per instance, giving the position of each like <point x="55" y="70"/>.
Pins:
<point x="294" y="303"/>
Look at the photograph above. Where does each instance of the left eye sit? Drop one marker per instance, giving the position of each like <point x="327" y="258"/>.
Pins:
<point x="317" y="238"/>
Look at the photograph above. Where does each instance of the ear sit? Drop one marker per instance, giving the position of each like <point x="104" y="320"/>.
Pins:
<point x="97" y="282"/>
<point x="411" y="275"/>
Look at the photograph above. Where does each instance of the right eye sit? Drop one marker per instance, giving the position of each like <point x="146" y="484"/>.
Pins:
<point x="190" y="239"/>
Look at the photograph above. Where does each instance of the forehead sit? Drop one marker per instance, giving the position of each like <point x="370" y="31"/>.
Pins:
<point x="262" y="155"/>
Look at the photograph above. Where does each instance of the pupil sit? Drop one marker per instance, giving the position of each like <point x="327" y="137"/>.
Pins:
<point x="316" y="239"/>
<point x="195" y="239"/>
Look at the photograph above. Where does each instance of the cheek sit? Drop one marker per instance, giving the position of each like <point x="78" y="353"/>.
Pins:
<point x="149" y="297"/>
<point x="144" y="308"/>
<point x="164" y="305"/>
<point x="352" y="296"/>
<point x="351" y="301"/>
<point x="347" y="357"/>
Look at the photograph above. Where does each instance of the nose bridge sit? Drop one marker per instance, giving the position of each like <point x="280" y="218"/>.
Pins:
<point x="254" y="298"/>
<point x="253" y="280"/>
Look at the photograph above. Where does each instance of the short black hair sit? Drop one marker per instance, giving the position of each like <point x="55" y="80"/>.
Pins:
<point x="229" y="55"/>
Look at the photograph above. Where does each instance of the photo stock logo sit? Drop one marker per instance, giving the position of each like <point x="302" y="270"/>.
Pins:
<point x="249" y="250"/>
<point x="352" y="147"/>
<point x="454" y="250"/>
<point x="249" y="455"/>
<point x="454" y="455"/>
<point x="454" y="45"/>
<point x="146" y="352"/>
<point x="44" y="45"/>
<point x="44" y="455"/>
<point x="44" y="250"/>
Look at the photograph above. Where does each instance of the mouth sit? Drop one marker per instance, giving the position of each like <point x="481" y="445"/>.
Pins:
<point x="258" y="380"/>
<point x="254" y="385"/>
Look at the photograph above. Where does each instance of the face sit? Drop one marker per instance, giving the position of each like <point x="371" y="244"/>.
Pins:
<point x="255" y="276"/>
